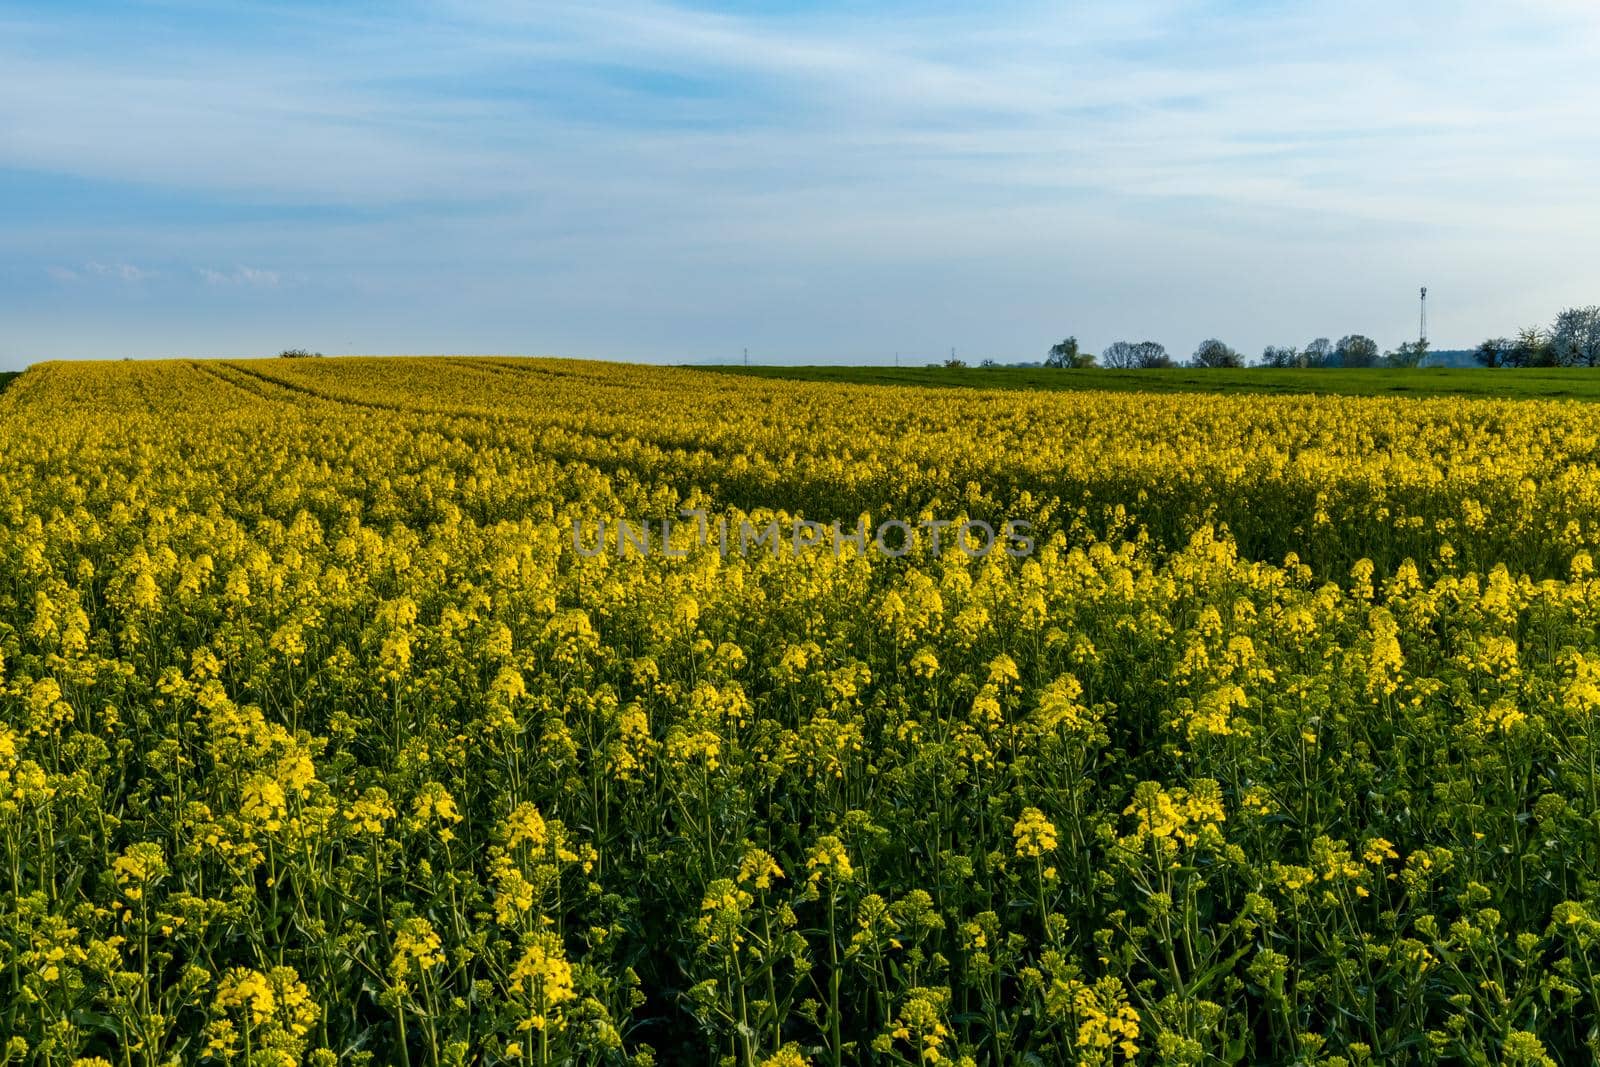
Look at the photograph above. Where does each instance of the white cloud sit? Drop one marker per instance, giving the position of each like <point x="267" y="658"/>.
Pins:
<point x="247" y="276"/>
<point x="122" y="272"/>
<point x="117" y="272"/>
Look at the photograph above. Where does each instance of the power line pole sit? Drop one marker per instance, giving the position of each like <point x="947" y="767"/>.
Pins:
<point x="746" y="357"/>
<point x="1423" y="335"/>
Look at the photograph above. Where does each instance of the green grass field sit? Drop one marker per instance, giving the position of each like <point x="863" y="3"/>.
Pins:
<point x="1579" y="383"/>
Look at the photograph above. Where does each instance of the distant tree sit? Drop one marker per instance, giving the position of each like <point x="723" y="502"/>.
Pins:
<point x="1575" y="337"/>
<point x="1281" y="356"/>
<point x="955" y="364"/>
<point x="1318" y="353"/>
<point x="1532" y="348"/>
<point x="1152" y="356"/>
<point x="1356" y="350"/>
<point x="1066" y="355"/>
<point x="1120" y="355"/>
<point x="1143" y="355"/>
<point x="1495" y="352"/>
<point x="988" y="364"/>
<point x="1409" y="354"/>
<point x="298" y="353"/>
<point x="1213" y="353"/>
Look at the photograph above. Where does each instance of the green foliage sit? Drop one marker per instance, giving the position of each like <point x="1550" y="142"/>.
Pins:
<point x="1215" y="354"/>
<point x="1409" y="355"/>
<point x="1356" y="351"/>
<point x="1066" y="355"/>
<point x="1494" y="352"/>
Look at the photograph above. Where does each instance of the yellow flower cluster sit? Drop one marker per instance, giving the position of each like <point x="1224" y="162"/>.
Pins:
<point x="1185" y="815"/>
<point x="542" y="980"/>
<point x="1035" y="835"/>
<point x="828" y="861"/>
<point x="415" y="948"/>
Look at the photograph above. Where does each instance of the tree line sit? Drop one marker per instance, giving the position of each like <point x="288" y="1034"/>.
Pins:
<point x="1573" y="340"/>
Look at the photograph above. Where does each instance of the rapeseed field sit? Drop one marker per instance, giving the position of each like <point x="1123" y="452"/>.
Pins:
<point x="329" y="733"/>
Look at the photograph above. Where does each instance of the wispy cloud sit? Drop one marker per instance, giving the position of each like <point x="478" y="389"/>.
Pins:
<point x="117" y="272"/>
<point x="248" y="276"/>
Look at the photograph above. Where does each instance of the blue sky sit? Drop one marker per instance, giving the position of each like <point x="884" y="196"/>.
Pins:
<point x="818" y="182"/>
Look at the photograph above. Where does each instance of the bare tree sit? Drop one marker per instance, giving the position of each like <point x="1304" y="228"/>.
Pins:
<point x="1120" y="355"/>
<point x="1281" y="356"/>
<point x="1318" y="353"/>
<point x="1152" y="356"/>
<point x="1142" y="355"/>
<point x="1213" y="353"/>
